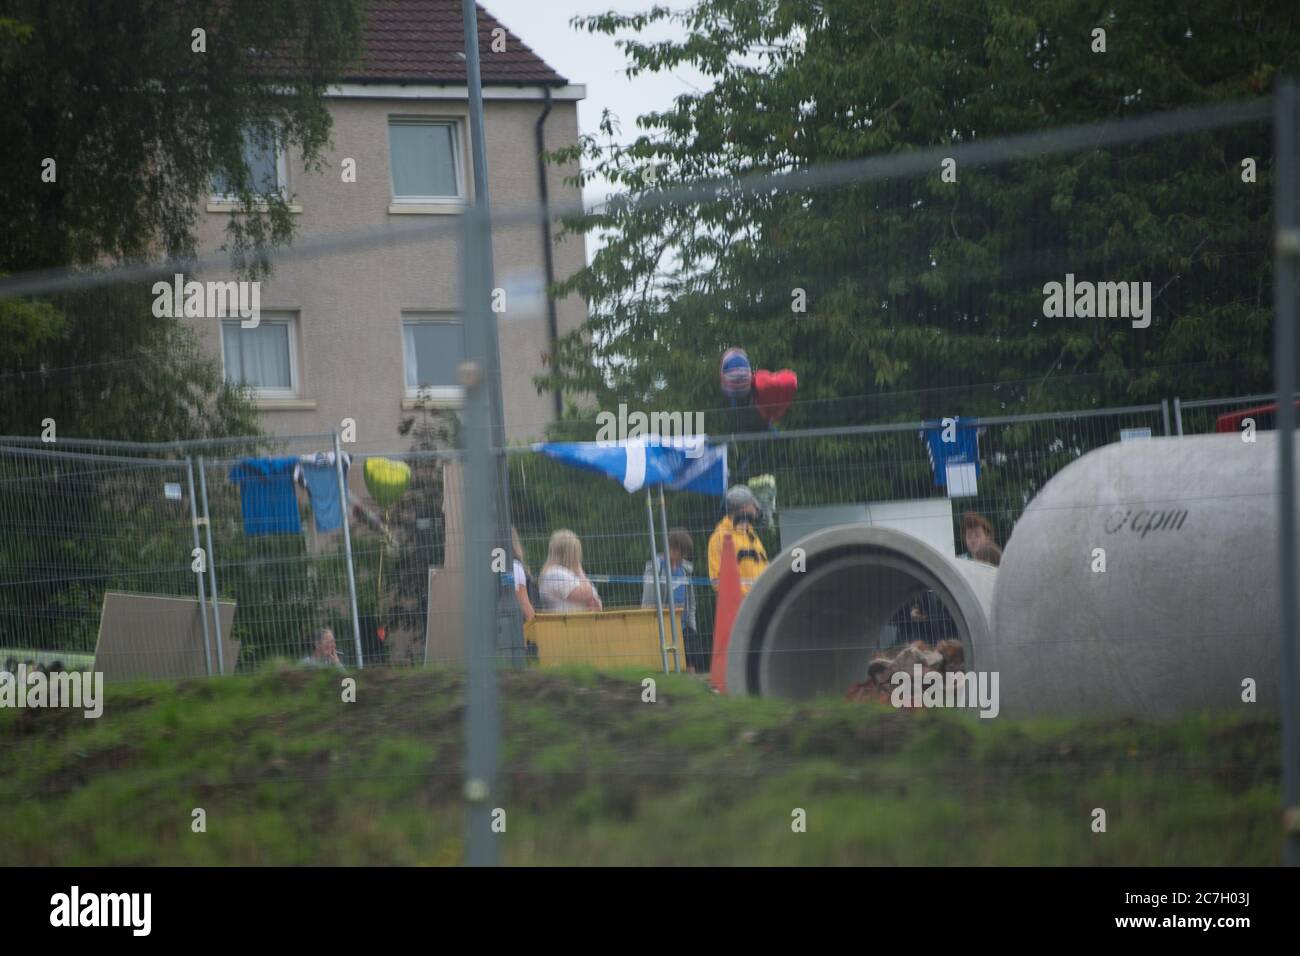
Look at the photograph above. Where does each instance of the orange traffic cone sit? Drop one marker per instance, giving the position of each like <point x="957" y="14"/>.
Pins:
<point x="729" y="597"/>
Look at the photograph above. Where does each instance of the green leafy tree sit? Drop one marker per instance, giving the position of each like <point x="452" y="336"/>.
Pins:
<point x="138" y="120"/>
<point x="116" y="119"/>
<point x="917" y="285"/>
<point x="918" y="291"/>
<point x="113" y="370"/>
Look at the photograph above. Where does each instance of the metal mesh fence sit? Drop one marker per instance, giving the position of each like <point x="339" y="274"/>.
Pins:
<point x="96" y="522"/>
<point x="287" y="585"/>
<point x="908" y="279"/>
<point x="80" y="524"/>
<point x="76" y="526"/>
<point x="1209" y="416"/>
<point x="840" y="467"/>
<point x="923" y="274"/>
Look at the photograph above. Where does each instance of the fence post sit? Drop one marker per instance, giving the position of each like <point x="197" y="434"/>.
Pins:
<point x="203" y="601"/>
<point x="1178" y="416"/>
<point x="482" y="720"/>
<point x="1164" y="413"/>
<point x="347" y="547"/>
<point x="654" y="563"/>
<point x="212" y="567"/>
<point x="674" y="631"/>
<point x="1286" y="250"/>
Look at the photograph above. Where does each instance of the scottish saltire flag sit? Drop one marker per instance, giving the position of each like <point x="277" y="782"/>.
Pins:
<point x="679" y="464"/>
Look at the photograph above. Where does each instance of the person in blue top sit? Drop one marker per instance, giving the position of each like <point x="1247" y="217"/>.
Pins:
<point x="680" y="550"/>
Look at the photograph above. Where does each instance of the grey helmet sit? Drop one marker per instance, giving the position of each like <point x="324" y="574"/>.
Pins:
<point x="739" y="497"/>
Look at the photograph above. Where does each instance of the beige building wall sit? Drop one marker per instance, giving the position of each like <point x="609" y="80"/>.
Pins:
<point x="348" y="308"/>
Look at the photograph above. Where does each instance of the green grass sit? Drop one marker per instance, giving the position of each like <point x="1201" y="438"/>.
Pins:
<point x="289" y="774"/>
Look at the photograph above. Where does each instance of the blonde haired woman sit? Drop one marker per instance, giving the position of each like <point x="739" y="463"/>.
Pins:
<point x="563" y="585"/>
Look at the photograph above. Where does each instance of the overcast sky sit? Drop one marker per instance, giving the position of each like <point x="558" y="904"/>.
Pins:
<point x="593" y="60"/>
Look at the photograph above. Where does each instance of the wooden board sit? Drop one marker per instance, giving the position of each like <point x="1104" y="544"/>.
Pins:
<point x="156" y="637"/>
<point x="443" y="640"/>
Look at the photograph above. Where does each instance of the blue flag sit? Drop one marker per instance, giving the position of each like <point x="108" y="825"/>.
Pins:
<point x="678" y="465"/>
<point x="963" y="449"/>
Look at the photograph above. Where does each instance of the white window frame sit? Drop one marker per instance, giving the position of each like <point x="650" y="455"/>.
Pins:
<point x="288" y="319"/>
<point x="401" y="119"/>
<point x="445" y="394"/>
<point x="281" y="174"/>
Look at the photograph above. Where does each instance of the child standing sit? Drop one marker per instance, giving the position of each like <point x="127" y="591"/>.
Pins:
<point x="680" y="551"/>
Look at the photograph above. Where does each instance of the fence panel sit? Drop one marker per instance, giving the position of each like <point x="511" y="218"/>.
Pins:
<point x="287" y="577"/>
<point x="74" y="526"/>
<point x="1201" y="416"/>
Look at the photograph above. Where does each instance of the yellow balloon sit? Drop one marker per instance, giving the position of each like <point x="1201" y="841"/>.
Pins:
<point x="387" y="480"/>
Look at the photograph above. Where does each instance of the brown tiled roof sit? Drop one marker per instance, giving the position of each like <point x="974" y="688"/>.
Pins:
<point x="421" y="41"/>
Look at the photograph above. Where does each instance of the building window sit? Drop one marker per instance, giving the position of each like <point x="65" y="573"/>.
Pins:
<point x="264" y="158"/>
<point x="425" y="159"/>
<point x="434" y="349"/>
<point x="264" y="358"/>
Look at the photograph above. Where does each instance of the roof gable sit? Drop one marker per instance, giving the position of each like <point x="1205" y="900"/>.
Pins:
<point x="422" y="41"/>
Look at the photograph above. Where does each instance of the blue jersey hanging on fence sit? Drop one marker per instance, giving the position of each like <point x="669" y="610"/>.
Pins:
<point x="963" y="449"/>
<point x="267" y="496"/>
<point x="320" y="476"/>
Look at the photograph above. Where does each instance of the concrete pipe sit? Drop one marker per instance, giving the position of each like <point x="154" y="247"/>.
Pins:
<point x="804" y="633"/>
<point x="1186" y="608"/>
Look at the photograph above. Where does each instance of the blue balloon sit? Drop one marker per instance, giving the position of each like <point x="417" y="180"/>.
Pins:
<point x="735" y="374"/>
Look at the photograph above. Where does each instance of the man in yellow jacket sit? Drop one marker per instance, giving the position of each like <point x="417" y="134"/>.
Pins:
<point x="742" y="513"/>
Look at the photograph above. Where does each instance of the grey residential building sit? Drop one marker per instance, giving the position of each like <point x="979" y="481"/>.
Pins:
<point x="368" y="334"/>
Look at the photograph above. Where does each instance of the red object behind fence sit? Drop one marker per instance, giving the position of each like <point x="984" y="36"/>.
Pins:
<point x="773" y="393"/>
<point x="1265" y="418"/>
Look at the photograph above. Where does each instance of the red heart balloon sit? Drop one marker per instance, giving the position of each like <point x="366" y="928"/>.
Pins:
<point x="773" y="393"/>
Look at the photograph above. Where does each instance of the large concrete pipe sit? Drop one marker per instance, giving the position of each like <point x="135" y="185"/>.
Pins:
<point x="1187" y="606"/>
<point x="810" y="626"/>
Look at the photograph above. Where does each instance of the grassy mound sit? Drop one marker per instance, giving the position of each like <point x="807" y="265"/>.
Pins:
<point x="288" y="773"/>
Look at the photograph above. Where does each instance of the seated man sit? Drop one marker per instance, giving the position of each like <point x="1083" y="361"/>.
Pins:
<point x="324" y="651"/>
